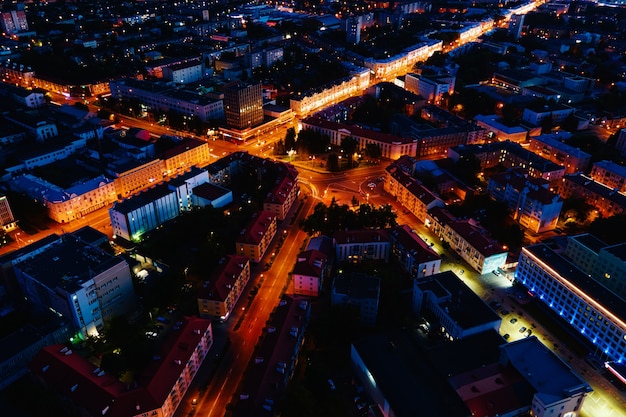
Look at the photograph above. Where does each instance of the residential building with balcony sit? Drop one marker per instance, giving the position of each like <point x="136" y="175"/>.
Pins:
<point x="219" y="294"/>
<point x="161" y="386"/>
<point x="284" y="194"/>
<point x="467" y="239"/>
<point x="254" y="240"/>
<point x="605" y="200"/>
<point x="359" y="245"/>
<point x="77" y="281"/>
<point x="552" y="148"/>
<point x="408" y="191"/>
<point x="529" y="200"/>
<point x="610" y="174"/>
<point x="591" y="310"/>
<point x="414" y="254"/>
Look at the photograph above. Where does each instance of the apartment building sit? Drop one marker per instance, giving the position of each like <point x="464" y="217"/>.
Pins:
<point x="408" y="191"/>
<point x="610" y="174"/>
<point x="359" y="245"/>
<point x="254" y="240"/>
<point x="605" y="200"/>
<point x="529" y="200"/>
<point x="309" y="273"/>
<point x="161" y="386"/>
<point x="552" y="147"/>
<point x="220" y="293"/>
<point x="414" y="254"/>
<point x="284" y="194"/>
<point x="359" y="293"/>
<point x="432" y="88"/>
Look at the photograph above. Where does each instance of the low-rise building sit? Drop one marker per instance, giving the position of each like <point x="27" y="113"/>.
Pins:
<point x="309" y="273"/>
<point x="281" y="197"/>
<point x="254" y="240"/>
<point x="467" y="239"/>
<point x="551" y="147"/>
<point x="275" y="359"/>
<point x="610" y="174"/>
<point x="219" y="294"/>
<point x="408" y="191"/>
<point x="359" y="293"/>
<point x="391" y="146"/>
<point x="431" y="88"/>
<point x="500" y="131"/>
<point x="529" y="200"/>
<point x="161" y="386"/>
<point x="69" y="204"/>
<point x="208" y="194"/>
<point x="510" y="155"/>
<point x="605" y="200"/>
<point x="413" y="253"/>
<point x="458" y="310"/>
<point x="359" y="245"/>
<point x="536" y="114"/>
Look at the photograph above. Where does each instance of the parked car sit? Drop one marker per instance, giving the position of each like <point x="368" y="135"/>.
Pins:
<point x="522" y="329"/>
<point x="513" y="320"/>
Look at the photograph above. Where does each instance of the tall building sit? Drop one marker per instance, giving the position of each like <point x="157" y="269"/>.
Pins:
<point x="243" y="105"/>
<point x="515" y="25"/>
<point x="7" y="221"/>
<point x="14" y="22"/>
<point x="353" y="30"/>
<point x="77" y="281"/>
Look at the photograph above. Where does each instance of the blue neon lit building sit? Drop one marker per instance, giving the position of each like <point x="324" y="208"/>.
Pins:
<point x="594" y="311"/>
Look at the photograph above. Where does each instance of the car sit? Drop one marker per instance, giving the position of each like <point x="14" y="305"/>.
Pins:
<point x="513" y="320"/>
<point x="522" y="329"/>
<point x="506" y="336"/>
<point x="496" y="272"/>
<point x="461" y="271"/>
<point x="529" y="332"/>
<point x="331" y="384"/>
<point x="504" y="312"/>
<point x="371" y="185"/>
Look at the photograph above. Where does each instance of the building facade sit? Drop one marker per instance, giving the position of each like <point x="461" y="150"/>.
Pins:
<point x="254" y="240"/>
<point x="243" y="105"/>
<point x="220" y="293"/>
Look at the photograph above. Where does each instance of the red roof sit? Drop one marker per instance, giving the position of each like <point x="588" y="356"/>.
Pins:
<point x="256" y="228"/>
<point x="88" y="386"/>
<point x="226" y="274"/>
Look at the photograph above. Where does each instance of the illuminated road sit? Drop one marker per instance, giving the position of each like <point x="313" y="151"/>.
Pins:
<point x="274" y="282"/>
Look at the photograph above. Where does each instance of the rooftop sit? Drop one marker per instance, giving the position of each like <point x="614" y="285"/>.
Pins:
<point x="67" y="264"/>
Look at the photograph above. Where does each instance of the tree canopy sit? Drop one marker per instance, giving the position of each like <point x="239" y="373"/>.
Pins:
<point x="327" y="220"/>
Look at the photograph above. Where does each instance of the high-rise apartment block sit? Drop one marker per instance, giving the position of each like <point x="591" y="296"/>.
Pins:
<point x="243" y="105"/>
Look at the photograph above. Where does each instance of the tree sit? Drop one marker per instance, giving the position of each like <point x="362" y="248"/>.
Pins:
<point x="333" y="162"/>
<point x="372" y="150"/>
<point x="290" y="139"/>
<point x="349" y="146"/>
<point x="547" y="124"/>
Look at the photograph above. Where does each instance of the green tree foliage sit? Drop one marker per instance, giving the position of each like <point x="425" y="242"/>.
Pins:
<point x="349" y="145"/>
<point x="333" y="162"/>
<point x="312" y="142"/>
<point x="609" y="230"/>
<point x="372" y="150"/>
<point x="326" y="220"/>
<point x="290" y="139"/>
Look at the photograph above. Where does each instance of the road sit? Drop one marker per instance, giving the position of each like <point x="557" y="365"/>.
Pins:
<point x="244" y="327"/>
